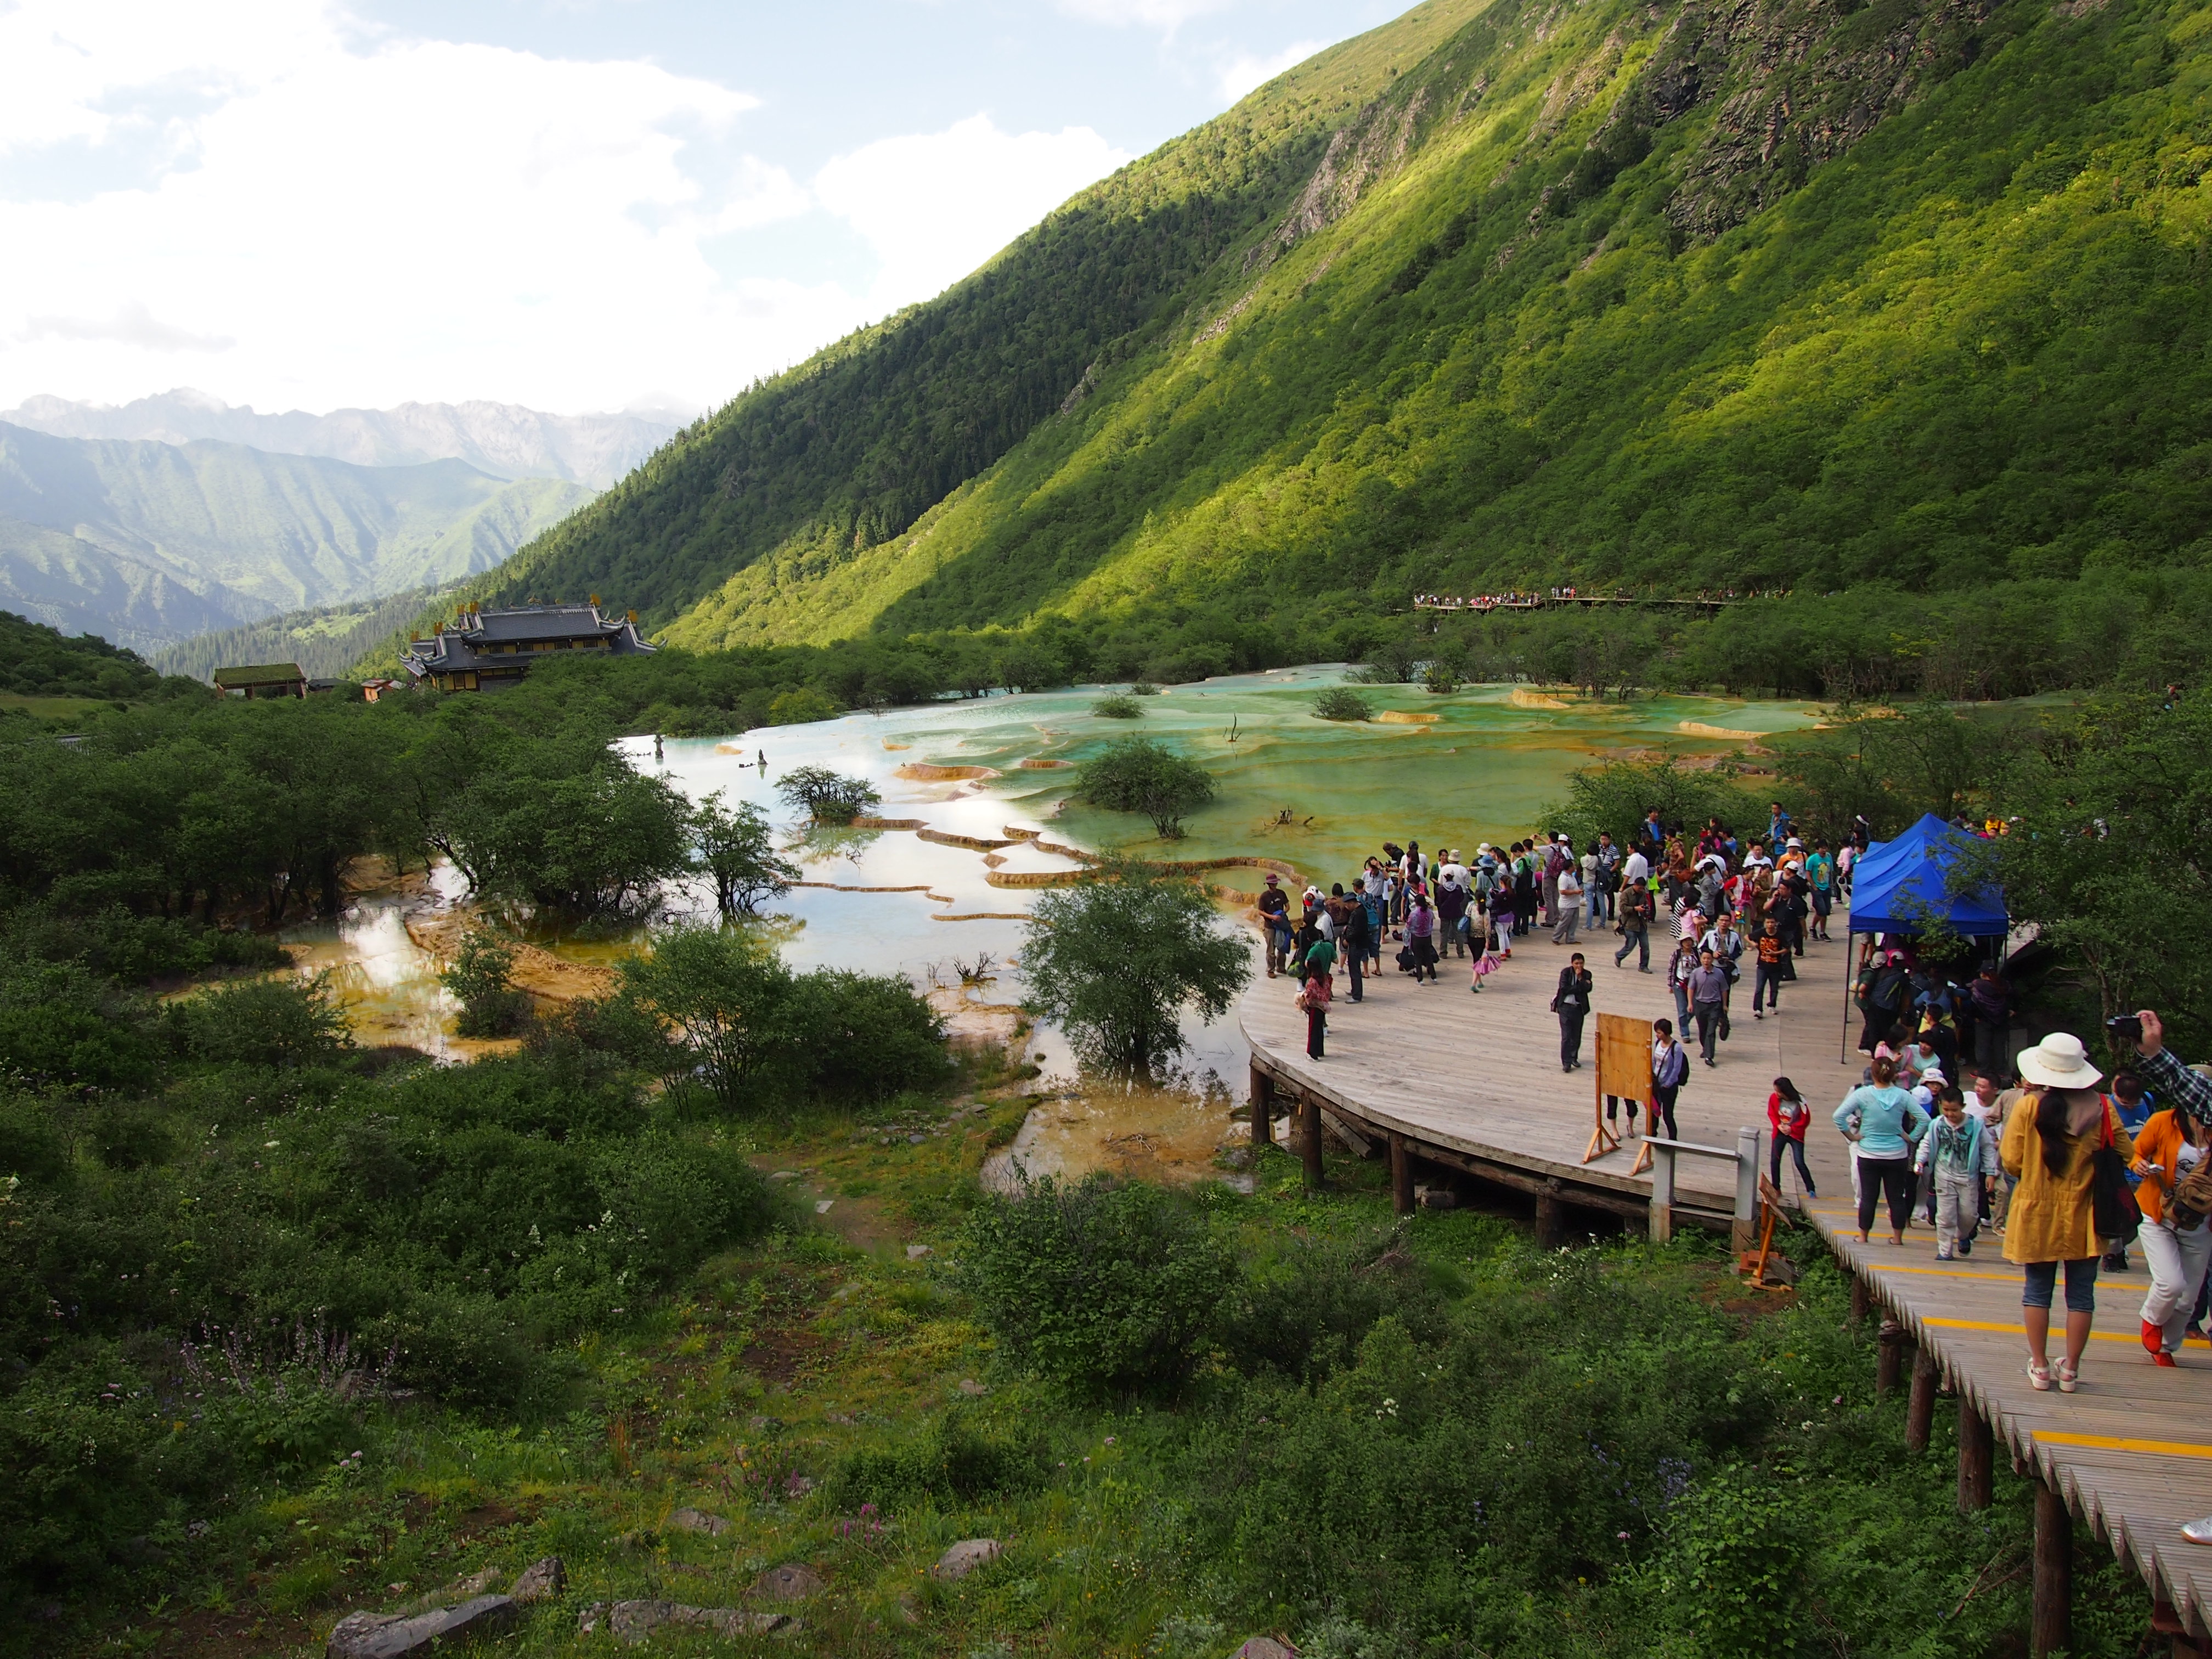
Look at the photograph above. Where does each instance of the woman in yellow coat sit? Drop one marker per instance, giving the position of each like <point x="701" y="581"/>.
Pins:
<point x="2049" y="1138"/>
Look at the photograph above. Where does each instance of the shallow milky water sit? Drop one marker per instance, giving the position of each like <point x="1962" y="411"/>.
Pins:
<point x="1482" y="770"/>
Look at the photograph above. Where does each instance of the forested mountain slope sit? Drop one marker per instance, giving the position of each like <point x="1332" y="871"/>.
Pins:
<point x="1776" y="293"/>
<point x="147" y="543"/>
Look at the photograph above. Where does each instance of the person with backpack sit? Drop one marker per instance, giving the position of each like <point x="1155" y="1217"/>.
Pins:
<point x="1571" y="1003"/>
<point x="2051" y="1143"/>
<point x="1884" y="985"/>
<point x="1566" y="897"/>
<point x="1637" y="905"/>
<point x="2176" y="1195"/>
<point x="1274" y="908"/>
<point x="1670" y="1070"/>
<point x="1352" y="940"/>
<point x="1313" y="998"/>
<point x="1773" y="953"/>
<point x="1421" y="952"/>
<point x="1961" y="1160"/>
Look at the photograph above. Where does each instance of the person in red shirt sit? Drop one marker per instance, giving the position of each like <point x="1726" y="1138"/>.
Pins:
<point x="1787" y="1111"/>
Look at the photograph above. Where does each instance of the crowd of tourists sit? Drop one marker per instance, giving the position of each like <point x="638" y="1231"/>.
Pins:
<point x="1947" y="1123"/>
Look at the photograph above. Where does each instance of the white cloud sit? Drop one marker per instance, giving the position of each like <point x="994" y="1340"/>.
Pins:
<point x="1169" y="15"/>
<point x="1248" y="74"/>
<point x="355" y="217"/>
<point x="934" y="206"/>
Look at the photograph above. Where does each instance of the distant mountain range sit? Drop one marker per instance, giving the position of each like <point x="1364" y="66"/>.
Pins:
<point x="148" y="542"/>
<point x="504" y="440"/>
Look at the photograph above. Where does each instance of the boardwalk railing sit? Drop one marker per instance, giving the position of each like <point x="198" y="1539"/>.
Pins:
<point x="1744" y="1155"/>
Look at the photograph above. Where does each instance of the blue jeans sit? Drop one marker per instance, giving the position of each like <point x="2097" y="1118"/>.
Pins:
<point x="2043" y="1279"/>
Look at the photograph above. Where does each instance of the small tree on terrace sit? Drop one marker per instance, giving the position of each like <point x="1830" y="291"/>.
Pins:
<point x="1136" y="774"/>
<point x="1115" y="962"/>
<point x="731" y="845"/>
<point x="827" y="797"/>
<point x="731" y="1009"/>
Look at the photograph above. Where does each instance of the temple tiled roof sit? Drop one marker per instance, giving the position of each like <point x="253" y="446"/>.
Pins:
<point x="483" y="647"/>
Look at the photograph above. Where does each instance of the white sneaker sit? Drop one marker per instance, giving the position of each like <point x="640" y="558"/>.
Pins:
<point x="2199" y="1532"/>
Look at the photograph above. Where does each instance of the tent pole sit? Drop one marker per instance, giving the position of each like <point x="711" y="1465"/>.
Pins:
<point x="1850" y="978"/>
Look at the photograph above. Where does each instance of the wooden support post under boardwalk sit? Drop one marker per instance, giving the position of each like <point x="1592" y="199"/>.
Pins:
<point x="1888" y="1357"/>
<point x="1401" y="1176"/>
<point x="1310" y="1145"/>
<point x="1920" y="1408"/>
<point x="1862" y="1300"/>
<point x="1548" y="1220"/>
<point x="1975" y="1449"/>
<point x="1263" y="1107"/>
<point x="2052" y="1625"/>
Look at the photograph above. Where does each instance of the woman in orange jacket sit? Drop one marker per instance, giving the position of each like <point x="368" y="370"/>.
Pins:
<point x="2176" y="1241"/>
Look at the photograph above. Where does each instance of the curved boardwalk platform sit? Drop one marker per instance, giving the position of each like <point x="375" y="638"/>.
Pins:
<point x="1438" y="1077"/>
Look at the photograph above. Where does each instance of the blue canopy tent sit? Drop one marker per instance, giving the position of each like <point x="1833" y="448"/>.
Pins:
<point x="1902" y="886"/>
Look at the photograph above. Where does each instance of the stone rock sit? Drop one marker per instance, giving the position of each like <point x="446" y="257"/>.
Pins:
<point x="690" y="1520"/>
<point x="1266" y="1647"/>
<point x="785" y="1175"/>
<point x="821" y="1205"/>
<point x="631" y="1622"/>
<point x="972" y="1389"/>
<point x="592" y="1618"/>
<point x="915" y="1252"/>
<point x="541" y="1581"/>
<point x="479" y="1582"/>
<point x="383" y="1636"/>
<point x="964" y="1556"/>
<point x="793" y="1582"/>
<point x="1433" y="1198"/>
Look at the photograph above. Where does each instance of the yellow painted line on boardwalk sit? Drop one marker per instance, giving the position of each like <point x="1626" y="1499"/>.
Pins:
<point x="2112" y="1442"/>
<point x="1938" y="1273"/>
<point x="2019" y="1330"/>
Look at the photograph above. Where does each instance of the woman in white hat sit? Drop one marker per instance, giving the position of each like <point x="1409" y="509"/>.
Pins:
<point x="2049" y="1139"/>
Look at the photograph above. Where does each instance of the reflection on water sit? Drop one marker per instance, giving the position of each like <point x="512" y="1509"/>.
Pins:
<point x="1316" y="793"/>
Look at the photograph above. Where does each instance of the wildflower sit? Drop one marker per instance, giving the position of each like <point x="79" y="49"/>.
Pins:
<point x="1622" y="1536"/>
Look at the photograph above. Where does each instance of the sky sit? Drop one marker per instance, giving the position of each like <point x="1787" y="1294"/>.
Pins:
<point x="571" y="204"/>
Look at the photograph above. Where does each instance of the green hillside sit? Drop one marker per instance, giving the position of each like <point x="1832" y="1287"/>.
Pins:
<point x="1670" y="297"/>
<point x="326" y="641"/>
<point x="151" y="542"/>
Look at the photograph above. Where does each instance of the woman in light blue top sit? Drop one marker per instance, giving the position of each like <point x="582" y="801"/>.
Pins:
<point x="1883" y="1123"/>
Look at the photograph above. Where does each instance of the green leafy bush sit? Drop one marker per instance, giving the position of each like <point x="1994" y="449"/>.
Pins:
<point x="1136" y="774"/>
<point x="1118" y="708"/>
<point x="950" y="1463"/>
<point x="1305" y="1308"/>
<point x="482" y="976"/>
<point x="1735" y="1550"/>
<point x="1340" y="703"/>
<point x="827" y="797"/>
<point x="1102" y="1286"/>
<point x="278" y="1022"/>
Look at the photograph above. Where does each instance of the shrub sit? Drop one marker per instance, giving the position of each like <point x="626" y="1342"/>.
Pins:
<point x="1115" y="961"/>
<point x="1135" y="774"/>
<point x="61" y="1025"/>
<point x="1341" y="703"/>
<point x="867" y="1035"/>
<point x="1734" y="1547"/>
<point x="1103" y="1286"/>
<point x="276" y="1023"/>
<point x="802" y="706"/>
<point x="1144" y="689"/>
<point x="482" y="977"/>
<point x="949" y="1463"/>
<point x="1118" y="708"/>
<point x="1306" y="1310"/>
<point x="827" y="797"/>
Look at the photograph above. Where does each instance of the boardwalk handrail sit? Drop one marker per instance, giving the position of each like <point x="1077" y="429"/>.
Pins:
<point x="1744" y="1155"/>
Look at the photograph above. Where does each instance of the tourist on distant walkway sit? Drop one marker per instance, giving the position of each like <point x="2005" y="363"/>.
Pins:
<point x="1961" y="1161"/>
<point x="1670" y="1070"/>
<point x="1992" y="999"/>
<point x="2049" y="1143"/>
<point x="1275" y="922"/>
<point x="1421" y="937"/>
<point x="2175" y="1194"/>
<point x="1353" y="940"/>
<point x="1566" y="896"/>
<point x="1790" y="1117"/>
<point x="1571" y="1003"/>
<point x="1820" y="870"/>
<point x="1680" y="967"/>
<point x="1636" y="908"/>
<point x="1557" y="851"/>
<point x="1451" y="910"/>
<point x="1884" y="984"/>
<point x="1708" y="988"/>
<point x="1883" y="1125"/>
<point x="1773" y="953"/>
<point x="1315" y="997"/>
<point x="1369" y="889"/>
<point x="1526" y="891"/>
<point x="1502" y="920"/>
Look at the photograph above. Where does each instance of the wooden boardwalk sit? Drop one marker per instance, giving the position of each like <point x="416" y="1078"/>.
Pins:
<point x="1473" y="1083"/>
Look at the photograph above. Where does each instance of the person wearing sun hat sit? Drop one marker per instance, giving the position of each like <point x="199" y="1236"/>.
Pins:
<point x="2049" y="1141"/>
